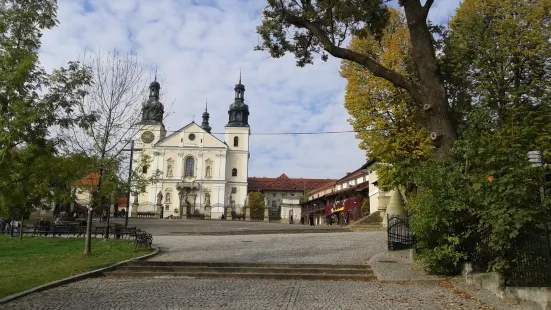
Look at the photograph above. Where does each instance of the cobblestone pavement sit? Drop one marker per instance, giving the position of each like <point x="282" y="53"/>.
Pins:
<point x="178" y="293"/>
<point x="317" y="248"/>
<point x="175" y="227"/>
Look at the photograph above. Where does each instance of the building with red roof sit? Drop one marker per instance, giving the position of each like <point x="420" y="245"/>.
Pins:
<point x="284" y="194"/>
<point x="343" y="197"/>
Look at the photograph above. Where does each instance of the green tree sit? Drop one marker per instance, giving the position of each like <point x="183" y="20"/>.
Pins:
<point x="32" y="102"/>
<point x="321" y="26"/>
<point x="257" y="204"/>
<point x="496" y="61"/>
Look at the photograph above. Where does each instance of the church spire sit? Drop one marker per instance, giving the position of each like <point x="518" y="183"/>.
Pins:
<point x="153" y="109"/>
<point x="205" y="125"/>
<point x="239" y="111"/>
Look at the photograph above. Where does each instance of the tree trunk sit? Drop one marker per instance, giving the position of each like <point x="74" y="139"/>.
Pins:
<point x="432" y="89"/>
<point x="88" y="238"/>
<point x="21" y="228"/>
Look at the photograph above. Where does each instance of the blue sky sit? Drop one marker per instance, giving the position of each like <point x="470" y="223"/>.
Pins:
<point x="199" y="47"/>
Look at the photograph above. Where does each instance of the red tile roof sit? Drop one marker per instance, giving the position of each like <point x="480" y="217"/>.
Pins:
<point x="122" y="202"/>
<point x="90" y="180"/>
<point x="326" y="186"/>
<point x="284" y="183"/>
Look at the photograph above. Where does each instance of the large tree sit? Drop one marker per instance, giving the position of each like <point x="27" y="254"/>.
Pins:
<point x="32" y="101"/>
<point x="496" y="62"/>
<point x="308" y="27"/>
<point x="385" y="118"/>
<point x="113" y="99"/>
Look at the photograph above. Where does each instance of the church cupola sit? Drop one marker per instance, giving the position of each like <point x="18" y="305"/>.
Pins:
<point x="205" y="125"/>
<point x="153" y="109"/>
<point x="239" y="111"/>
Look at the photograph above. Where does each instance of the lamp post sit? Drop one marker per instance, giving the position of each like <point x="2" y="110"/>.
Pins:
<point x="132" y="149"/>
<point x="536" y="158"/>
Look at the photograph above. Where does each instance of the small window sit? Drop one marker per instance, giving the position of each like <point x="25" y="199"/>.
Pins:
<point x="144" y="169"/>
<point x="234" y="190"/>
<point x="235" y="141"/>
<point x="274" y="194"/>
<point x="191" y="136"/>
<point x="292" y="194"/>
<point x="234" y="172"/>
<point x="274" y="203"/>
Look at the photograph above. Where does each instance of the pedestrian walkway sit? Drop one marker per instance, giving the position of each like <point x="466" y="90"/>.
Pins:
<point x="390" y="268"/>
<point x="309" y="248"/>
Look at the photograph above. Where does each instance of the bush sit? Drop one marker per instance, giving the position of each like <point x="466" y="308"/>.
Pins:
<point x="366" y="207"/>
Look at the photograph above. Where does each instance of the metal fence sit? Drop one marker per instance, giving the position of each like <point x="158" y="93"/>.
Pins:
<point x="528" y="257"/>
<point x="399" y="233"/>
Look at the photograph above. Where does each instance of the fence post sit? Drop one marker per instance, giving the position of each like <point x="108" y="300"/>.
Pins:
<point x="389" y="241"/>
<point x="548" y="252"/>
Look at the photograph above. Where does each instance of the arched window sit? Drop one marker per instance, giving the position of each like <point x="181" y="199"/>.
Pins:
<point x="235" y="141"/>
<point x="208" y="173"/>
<point x="190" y="167"/>
<point x="144" y="169"/>
<point x="234" y="172"/>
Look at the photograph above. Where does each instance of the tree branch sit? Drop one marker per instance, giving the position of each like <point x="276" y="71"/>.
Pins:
<point x="376" y="68"/>
<point x="16" y="180"/>
<point x="427" y="6"/>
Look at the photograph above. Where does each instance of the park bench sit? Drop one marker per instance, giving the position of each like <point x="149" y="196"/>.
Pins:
<point x="99" y="231"/>
<point x="143" y="239"/>
<point x="129" y="232"/>
<point x="61" y="230"/>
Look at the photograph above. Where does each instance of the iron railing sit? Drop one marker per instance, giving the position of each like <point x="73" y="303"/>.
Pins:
<point x="528" y="259"/>
<point x="399" y="233"/>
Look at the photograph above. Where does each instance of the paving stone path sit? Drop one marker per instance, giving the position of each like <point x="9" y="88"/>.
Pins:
<point x="245" y="294"/>
<point x="315" y="248"/>
<point x="307" y="248"/>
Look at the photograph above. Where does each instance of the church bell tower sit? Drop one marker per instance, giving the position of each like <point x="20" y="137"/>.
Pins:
<point x="151" y="128"/>
<point x="236" y="137"/>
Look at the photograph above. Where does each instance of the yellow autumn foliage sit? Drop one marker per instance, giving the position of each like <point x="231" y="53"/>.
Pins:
<point x="387" y="120"/>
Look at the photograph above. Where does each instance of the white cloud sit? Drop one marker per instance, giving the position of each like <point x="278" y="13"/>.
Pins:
<point x="199" y="50"/>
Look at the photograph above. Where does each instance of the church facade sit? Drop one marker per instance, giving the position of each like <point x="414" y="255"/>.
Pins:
<point x="201" y="174"/>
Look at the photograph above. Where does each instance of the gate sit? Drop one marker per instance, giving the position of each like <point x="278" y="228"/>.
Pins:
<point x="399" y="233"/>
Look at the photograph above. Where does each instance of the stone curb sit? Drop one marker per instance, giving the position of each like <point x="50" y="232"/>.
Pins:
<point x="90" y="274"/>
<point x="381" y="277"/>
<point x="376" y="272"/>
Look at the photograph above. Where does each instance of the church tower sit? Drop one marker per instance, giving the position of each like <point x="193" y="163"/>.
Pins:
<point x="236" y="137"/>
<point x="205" y="125"/>
<point x="151" y="128"/>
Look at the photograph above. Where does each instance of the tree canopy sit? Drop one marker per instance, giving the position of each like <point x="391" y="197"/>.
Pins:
<point x="321" y="27"/>
<point x="32" y="101"/>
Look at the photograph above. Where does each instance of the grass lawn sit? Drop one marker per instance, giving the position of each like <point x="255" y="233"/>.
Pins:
<point x="36" y="261"/>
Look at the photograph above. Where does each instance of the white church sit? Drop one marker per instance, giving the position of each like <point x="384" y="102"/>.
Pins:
<point x="199" y="171"/>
